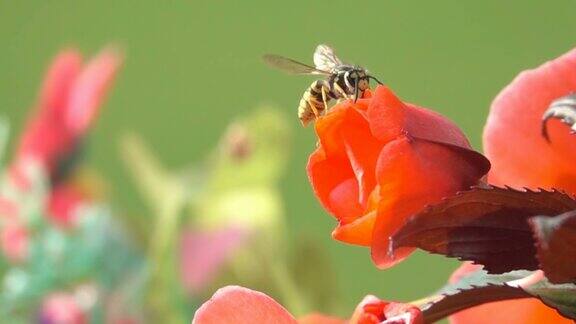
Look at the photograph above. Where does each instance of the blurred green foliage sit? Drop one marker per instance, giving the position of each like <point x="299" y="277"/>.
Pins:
<point x="193" y="65"/>
<point x="95" y="259"/>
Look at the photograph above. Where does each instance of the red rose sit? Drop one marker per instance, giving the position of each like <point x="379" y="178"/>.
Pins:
<point x="380" y="160"/>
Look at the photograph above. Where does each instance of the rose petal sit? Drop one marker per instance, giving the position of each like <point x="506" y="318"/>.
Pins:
<point x="343" y="200"/>
<point x="522" y="311"/>
<point x="386" y="114"/>
<point x="325" y="175"/>
<point x="234" y="304"/>
<point x="389" y="118"/>
<point x="520" y="156"/>
<point x="320" y="319"/>
<point x="413" y="173"/>
<point x="357" y="232"/>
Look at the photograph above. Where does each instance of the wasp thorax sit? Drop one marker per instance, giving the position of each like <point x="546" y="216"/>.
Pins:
<point x="355" y="80"/>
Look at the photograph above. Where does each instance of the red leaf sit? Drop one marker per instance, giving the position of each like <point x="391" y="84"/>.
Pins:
<point x="556" y="246"/>
<point x="486" y="225"/>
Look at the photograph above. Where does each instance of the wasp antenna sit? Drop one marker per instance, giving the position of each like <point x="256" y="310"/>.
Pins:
<point x="374" y="78"/>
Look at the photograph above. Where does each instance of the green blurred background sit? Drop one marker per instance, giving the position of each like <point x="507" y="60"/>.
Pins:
<point x="194" y="65"/>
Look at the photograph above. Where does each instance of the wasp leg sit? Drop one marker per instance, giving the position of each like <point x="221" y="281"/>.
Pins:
<point x="340" y="91"/>
<point x="324" y="96"/>
<point x="314" y="110"/>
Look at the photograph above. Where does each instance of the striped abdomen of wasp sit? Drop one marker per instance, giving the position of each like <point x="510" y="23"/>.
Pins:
<point x="342" y="81"/>
<point x="314" y="101"/>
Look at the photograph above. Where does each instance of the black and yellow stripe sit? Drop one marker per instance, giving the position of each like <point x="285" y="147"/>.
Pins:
<point x="312" y="104"/>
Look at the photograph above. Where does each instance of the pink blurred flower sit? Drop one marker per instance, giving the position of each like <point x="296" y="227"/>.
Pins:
<point x="234" y="304"/>
<point x="203" y="253"/>
<point x="13" y="233"/>
<point x="62" y="308"/>
<point x="14" y="241"/>
<point x="63" y="203"/>
<point x="70" y="98"/>
<point x="69" y="101"/>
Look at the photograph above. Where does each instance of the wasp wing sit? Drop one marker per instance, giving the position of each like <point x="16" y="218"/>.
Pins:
<point x="325" y="59"/>
<point x="289" y="65"/>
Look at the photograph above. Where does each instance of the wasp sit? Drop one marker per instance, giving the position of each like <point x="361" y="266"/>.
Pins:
<point x="342" y="81"/>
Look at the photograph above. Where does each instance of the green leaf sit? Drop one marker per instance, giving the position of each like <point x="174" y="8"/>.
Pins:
<point x="156" y="184"/>
<point x="264" y="138"/>
<point x="315" y="276"/>
<point x="95" y="252"/>
<point x="242" y="188"/>
<point x="561" y="297"/>
<point x="480" y="287"/>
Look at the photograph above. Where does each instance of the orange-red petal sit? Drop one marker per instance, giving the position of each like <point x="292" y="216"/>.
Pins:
<point x="389" y="118"/>
<point x="413" y="173"/>
<point x="520" y="311"/>
<point x="317" y="318"/>
<point x="341" y="170"/>
<point x="358" y="232"/>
